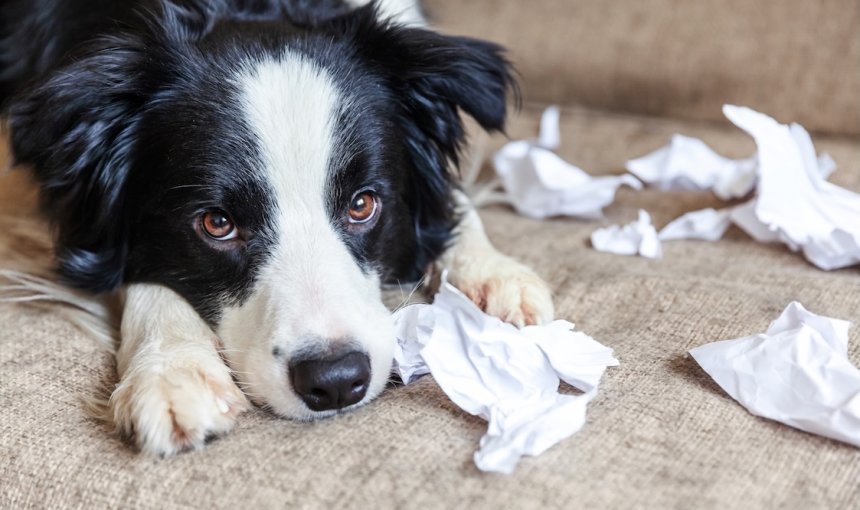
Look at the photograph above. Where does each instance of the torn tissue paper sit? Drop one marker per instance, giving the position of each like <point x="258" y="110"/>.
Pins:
<point x="637" y="238"/>
<point x="793" y="204"/>
<point x="508" y="376"/>
<point x="797" y="373"/>
<point x="540" y="184"/>
<point x="707" y="224"/>
<point x="688" y="163"/>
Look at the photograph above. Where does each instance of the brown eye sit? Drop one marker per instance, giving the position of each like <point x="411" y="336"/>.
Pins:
<point x="218" y="225"/>
<point x="363" y="207"/>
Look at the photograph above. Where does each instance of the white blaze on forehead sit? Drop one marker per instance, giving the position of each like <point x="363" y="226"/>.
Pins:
<point x="290" y="104"/>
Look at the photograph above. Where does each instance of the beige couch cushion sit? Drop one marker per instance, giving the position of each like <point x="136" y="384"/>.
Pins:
<point x="659" y="435"/>
<point x="796" y="59"/>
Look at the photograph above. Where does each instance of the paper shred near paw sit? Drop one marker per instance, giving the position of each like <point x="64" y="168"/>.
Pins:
<point x="508" y="376"/>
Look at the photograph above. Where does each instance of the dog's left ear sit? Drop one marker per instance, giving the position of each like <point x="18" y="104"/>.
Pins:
<point x="444" y="71"/>
<point x="434" y="77"/>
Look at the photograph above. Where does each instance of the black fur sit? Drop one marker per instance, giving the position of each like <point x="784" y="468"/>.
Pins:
<point x="126" y="113"/>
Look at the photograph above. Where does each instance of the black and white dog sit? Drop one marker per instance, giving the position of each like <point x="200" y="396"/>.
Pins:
<point x="250" y="172"/>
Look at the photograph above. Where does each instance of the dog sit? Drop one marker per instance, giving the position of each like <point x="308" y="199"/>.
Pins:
<point x="248" y="174"/>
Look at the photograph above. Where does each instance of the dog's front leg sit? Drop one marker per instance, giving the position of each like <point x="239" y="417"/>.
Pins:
<point x="498" y="284"/>
<point x="175" y="391"/>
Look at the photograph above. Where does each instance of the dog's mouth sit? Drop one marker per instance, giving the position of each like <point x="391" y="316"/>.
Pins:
<point x="315" y="416"/>
<point x="308" y="415"/>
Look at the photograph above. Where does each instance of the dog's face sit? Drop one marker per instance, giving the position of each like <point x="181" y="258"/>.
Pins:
<point x="272" y="175"/>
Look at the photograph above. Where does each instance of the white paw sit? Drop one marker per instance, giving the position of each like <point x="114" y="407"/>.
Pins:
<point x="505" y="288"/>
<point x="176" y="405"/>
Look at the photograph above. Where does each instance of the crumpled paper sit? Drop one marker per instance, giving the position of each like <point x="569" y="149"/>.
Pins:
<point x="689" y="163"/>
<point x="793" y="204"/>
<point x="797" y="373"/>
<point x="706" y="224"/>
<point x="636" y="238"/>
<point x="539" y="184"/>
<point x="508" y="376"/>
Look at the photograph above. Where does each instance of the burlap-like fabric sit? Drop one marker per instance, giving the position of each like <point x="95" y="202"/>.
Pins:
<point x="661" y="434"/>
<point x="796" y="58"/>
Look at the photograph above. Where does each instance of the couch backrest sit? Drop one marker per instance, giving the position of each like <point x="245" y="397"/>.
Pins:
<point x="798" y="60"/>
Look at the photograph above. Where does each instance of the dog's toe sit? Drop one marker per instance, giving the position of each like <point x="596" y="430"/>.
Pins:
<point x="173" y="408"/>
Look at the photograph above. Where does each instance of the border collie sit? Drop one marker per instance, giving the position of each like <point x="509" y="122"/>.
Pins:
<point x="249" y="173"/>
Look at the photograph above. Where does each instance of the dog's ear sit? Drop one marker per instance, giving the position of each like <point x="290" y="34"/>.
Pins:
<point x="435" y="77"/>
<point x="76" y="128"/>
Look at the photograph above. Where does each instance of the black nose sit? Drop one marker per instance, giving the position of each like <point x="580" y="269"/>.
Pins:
<point x="331" y="383"/>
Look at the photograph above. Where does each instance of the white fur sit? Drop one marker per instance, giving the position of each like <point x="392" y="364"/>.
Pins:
<point x="310" y="293"/>
<point x="406" y="12"/>
<point x="175" y="390"/>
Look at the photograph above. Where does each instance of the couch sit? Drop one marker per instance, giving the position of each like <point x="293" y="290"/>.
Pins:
<point x="628" y="74"/>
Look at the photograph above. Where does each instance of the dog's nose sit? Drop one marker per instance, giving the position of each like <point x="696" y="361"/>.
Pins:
<point x="332" y="383"/>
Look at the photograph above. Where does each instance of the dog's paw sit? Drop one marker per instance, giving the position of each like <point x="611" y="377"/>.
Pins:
<point x="505" y="288"/>
<point x="176" y="405"/>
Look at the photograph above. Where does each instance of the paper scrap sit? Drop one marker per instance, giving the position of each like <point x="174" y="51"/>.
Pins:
<point x="689" y="163"/>
<point x="508" y="376"/>
<point x="707" y="224"/>
<point x="549" y="136"/>
<point x="794" y="203"/>
<point x="636" y="238"/>
<point x="539" y="184"/>
<point x="797" y="373"/>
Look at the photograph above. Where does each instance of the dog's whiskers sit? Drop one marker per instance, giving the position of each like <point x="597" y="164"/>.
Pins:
<point x="240" y="373"/>
<point x="405" y="302"/>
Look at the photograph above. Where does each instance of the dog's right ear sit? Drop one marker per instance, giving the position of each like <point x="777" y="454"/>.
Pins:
<point x="76" y="129"/>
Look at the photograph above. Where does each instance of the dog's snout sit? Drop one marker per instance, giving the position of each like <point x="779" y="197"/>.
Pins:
<point x="333" y="382"/>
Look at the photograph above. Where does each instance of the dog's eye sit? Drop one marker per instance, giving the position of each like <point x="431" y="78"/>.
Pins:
<point x="363" y="207"/>
<point x="218" y="225"/>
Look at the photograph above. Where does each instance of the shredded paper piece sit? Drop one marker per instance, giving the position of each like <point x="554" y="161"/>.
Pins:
<point x="539" y="184"/>
<point x="793" y="204"/>
<point x="637" y="238"/>
<point x="507" y="376"/>
<point x="707" y="224"/>
<point x="688" y="163"/>
<point x="797" y="373"/>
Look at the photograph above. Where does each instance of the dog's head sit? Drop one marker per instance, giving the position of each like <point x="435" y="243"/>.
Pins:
<point x="271" y="174"/>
